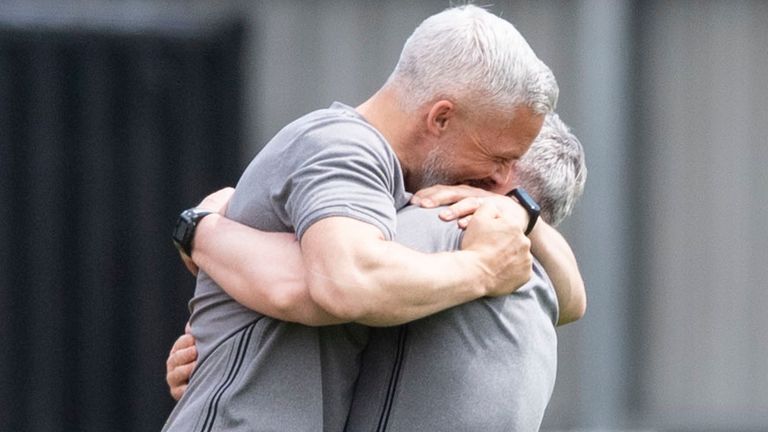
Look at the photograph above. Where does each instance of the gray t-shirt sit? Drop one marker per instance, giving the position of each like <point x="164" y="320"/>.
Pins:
<point x="256" y="373"/>
<point x="488" y="365"/>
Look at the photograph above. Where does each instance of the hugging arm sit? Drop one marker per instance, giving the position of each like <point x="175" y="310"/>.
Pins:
<point x="547" y="244"/>
<point x="263" y="271"/>
<point x="367" y="279"/>
<point x="554" y="253"/>
<point x="267" y="277"/>
<point x="361" y="277"/>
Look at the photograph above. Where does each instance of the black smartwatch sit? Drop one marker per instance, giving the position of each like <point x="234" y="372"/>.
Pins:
<point x="529" y="204"/>
<point x="184" y="231"/>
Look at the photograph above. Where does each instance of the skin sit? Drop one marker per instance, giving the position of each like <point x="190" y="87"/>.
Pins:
<point x="477" y="150"/>
<point x="465" y="201"/>
<point x="367" y="279"/>
<point x="546" y="243"/>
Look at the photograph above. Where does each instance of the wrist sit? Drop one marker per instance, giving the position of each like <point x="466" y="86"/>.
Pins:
<point x="530" y="206"/>
<point x="476" y="273"/>
<point x="186" y="225"/>
<point x="202" y="231"/>
<point x="537" y="234"/>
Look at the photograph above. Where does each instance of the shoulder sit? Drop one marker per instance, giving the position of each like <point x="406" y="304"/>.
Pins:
<point x="337" y="133"/>
<point x="341" y="129"/>
<point x="423" y="230"/>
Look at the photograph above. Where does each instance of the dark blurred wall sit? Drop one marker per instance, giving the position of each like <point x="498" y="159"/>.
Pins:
<point x="107" y="130"/>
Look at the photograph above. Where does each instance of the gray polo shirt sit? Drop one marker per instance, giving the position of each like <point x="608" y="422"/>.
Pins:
<point x="256" y="373"/>
<point x="488" y="365"/>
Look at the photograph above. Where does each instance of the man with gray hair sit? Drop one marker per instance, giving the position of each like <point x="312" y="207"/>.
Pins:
<point x="496" y="354"/>
<point x="490" y="364"/>
<point x="465" y="101"/>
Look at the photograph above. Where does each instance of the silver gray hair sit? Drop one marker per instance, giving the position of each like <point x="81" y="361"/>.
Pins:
<point x="554" y="170"/>
<point x="470" y="55"/>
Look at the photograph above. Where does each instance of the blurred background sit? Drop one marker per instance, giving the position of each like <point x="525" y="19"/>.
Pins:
<point x="117" y="115"/>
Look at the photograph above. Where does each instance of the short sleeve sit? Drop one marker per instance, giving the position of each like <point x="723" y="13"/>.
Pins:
<point x="348" y="171"/>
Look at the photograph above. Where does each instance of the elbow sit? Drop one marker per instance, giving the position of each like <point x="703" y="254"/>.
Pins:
<point x="581" y="301"/>
<point x="339" y="296"/>
<point x="288" y="299"/>
<point x="575" y="308"/>
<point x="282" y="297"/>
<point x="580" y="309"/>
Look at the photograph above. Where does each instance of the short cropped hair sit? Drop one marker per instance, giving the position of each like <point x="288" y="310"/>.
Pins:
<point x="553" y="170"/>
<point x="471" y="55"/>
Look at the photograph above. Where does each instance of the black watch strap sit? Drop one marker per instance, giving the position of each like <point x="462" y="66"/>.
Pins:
<point x="184" y="231"/>
<point x="529" y="204"/>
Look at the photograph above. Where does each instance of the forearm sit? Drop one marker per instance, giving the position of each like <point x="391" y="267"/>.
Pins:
<point x="391" y="285"/>
<point x="554" y="253"/>
<point x="260" y="270"/>
<point x="378" y="282"/>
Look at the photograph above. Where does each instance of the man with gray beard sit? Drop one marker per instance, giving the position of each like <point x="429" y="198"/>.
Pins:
<point x="489" y="364"/>
<point x="324" y="191"/>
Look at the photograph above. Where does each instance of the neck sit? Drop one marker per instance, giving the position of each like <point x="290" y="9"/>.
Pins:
<point x="399" y="128"/>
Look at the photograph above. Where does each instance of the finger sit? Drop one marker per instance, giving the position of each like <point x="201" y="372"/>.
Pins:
<point x="217" y="201"/>
<point x="182" y="342"/>
<point x="465" y="207"/>
<point x="178" y="392"/>
<point x="422" y="193"/>
<point x="443" y="196"/>
<point x="178" y="379"/>
<point x="464" y="222"/>
<point x="423" y="197"/>
<point x="487" y="211"/>
<point x="189" y="264"/>
<point x="226" y="197"/>
<point x="180" y="375"/>
<point x="437" y="195"/>
<point x="185" y="356"/>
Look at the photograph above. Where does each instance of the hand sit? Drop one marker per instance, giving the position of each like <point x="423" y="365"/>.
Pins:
<point x="504" y="252"/>
<point x="463" y="201"/>
<point x="218" y="201"/>
<point x="438" y="195"/>
<point x="191" y="266"/>
<point x="510" y="208"/>
<point x="181" y="362"/>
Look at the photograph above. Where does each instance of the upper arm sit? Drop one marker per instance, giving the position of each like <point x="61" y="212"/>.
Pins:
<point x="557" y="258"/>
<point x="340" y="255"/>
<point x="349" y="173"/>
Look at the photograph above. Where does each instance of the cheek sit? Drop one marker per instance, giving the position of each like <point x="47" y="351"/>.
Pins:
<point x="467" y="164"/>
<point x="475" y="170"/>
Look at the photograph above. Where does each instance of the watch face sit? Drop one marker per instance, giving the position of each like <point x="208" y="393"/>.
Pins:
<point x="180" y="230"/>
<point x="185" y="228"/>
<point x="526" y="200"/>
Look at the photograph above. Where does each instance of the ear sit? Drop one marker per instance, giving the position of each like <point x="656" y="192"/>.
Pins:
<point x="439" y="116"/>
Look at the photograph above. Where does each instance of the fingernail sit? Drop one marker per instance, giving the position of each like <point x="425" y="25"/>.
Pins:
<point x="426" y="202"/>
<point x="446" y="214"/>
<point x="415" y="199"/>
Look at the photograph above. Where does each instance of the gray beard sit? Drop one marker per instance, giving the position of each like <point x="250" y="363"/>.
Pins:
<point x="435" y="170"/>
